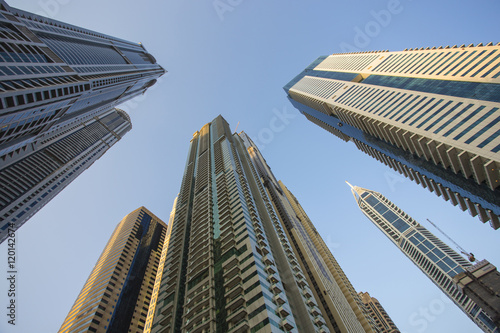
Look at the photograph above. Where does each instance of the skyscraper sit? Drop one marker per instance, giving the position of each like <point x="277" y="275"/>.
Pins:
<point x="238" y="257"/>
<point x="378" y="313"/>
<point x="434" y="258"/>
<point x="432" y="115"/>
<point x="56" y="79"/>
<point x="117" y="293"/>
<point x="30" y="183"/>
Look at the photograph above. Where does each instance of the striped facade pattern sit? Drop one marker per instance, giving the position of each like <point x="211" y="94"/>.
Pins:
<point x="378" y="313"/>
<point x="403" y="99"/>
<point x="105" y="303"/>
<point x="345" y="290"/>
<point x="56" y="79"/>
<point x="29" y="184"/>
<point x="228" y="258"/>
<point x="434" y="258"/>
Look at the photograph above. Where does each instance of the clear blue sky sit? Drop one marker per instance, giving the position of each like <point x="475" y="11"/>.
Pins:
<point x="235" y="63"/>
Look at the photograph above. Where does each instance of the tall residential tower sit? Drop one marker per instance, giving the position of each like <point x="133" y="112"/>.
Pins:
<point x="59" y="82"/>
<point x="117" y="293"/>
<point x="432" y="115"/>
<point x="240" y="258"/>
<point x="434" y="258"/>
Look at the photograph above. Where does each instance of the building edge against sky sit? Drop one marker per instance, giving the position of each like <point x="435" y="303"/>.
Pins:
<point x="430" y="114"/>
<point x="59" y="87"/>
<point x="378" y="313"/>
<point x="238" y="256"/>
<point x="434" y="258"/>
<point x="116" y="296"/>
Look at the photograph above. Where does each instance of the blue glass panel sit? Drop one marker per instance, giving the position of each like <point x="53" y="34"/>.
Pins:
<point x="443" y="266"/>
<point x="475" y="90"/>
<point x="432" y="257"/>
<point x="438" y="253"/>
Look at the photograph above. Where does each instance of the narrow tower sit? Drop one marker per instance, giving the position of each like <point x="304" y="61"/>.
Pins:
<point x="435" y="259"/>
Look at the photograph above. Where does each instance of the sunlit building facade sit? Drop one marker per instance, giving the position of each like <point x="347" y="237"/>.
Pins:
<point x="56" y="79"/>
<point x="232" y="263"/>
<point x="434" y="258"/>
<point x="378" y="313"/>
<point x="118" y="292"/>
<point x="430" y="114"/>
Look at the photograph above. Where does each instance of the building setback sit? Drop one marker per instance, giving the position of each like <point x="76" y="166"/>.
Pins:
<point x="378" y="313"/>
<point x="231" y="263"/>
<point x="118" y="292"/>
<point x="432" y="115"/>
<point x="55" y="80"/>
<point x="434" y="258"/>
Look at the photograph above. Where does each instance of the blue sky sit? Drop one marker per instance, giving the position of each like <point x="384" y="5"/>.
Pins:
<point x="235" y="62"/>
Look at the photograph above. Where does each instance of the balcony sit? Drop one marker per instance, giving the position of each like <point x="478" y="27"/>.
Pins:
<point x="272" y="278"/>
<point x="199" y="258"/>
<point x="200" y="326"/>
<point x="229" y="283"/>
<point x="311" y="302"/>
<point x="302" y="283"/>
<point x="299" y="275"/>
<point x="235" y="303"/>
<point x="282" y="312"/>
<point x="198" y="308"/>
<point x="287" y="326"/>
<point x="266" y="260"/>
<point x="230" y="272"/>
<point x="315" y="311"/>
<point x="237" y="289"/>
<point x="228" y="245"/>
<point x="278" y="299"/>
<point x="275" y="288"/>
<point x="318" y="320"/>
<point x="237" y="315"/>
<point x="240" y="327"/>
<point x="230" y="262"/>
<point x="270" y="269"/>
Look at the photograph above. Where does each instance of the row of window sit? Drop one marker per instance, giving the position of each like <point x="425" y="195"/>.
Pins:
<point x="420" y="110"/>
<point x="443" y="62"/>
<point x="11" y="52"/>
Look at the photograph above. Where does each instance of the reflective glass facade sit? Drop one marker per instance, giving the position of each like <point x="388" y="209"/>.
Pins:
<point x="432" y="115"/>
<point x="434" y="258"/>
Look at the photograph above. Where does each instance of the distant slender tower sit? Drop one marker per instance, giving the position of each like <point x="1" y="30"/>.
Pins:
<point x="434" y="258"/>
<point x="55" y="80"/>
<point x="117" y="293"/>
<point x="378" y="313"/>
<point x="239" y="259"/>
<point x="432" y="115"/>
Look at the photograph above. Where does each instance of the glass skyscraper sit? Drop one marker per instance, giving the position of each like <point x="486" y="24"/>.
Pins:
<point x="430" y="114"/>
<point x="240" y="257"/>
<point x="434" y="258"/>
<point x="56" y="80"/>
<point x="118" y="292"/>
